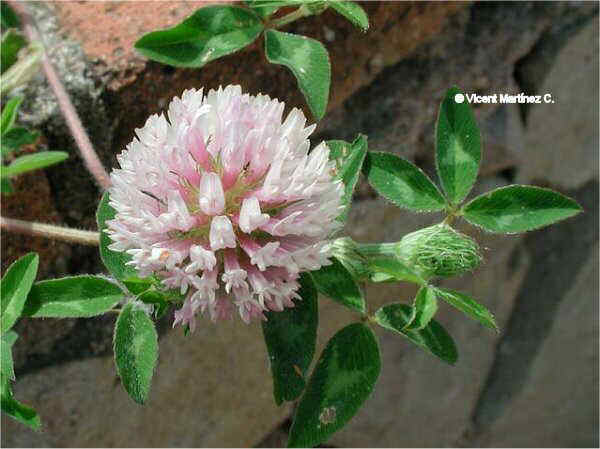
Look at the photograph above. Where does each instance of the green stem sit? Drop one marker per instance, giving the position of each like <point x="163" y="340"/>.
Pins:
<point x="303" y="11"/>
<point x="449" y="219"/>
<point x="377" y="249"/>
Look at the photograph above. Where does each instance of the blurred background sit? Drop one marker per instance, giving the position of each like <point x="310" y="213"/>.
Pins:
<point x="535" y="384"/>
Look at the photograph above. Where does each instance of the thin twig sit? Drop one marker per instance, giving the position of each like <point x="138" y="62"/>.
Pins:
<point x="82" y="140"/>
<point x="70" y="235"/>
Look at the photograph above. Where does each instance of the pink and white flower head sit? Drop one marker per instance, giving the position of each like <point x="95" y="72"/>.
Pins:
<point x="224" y="202"/>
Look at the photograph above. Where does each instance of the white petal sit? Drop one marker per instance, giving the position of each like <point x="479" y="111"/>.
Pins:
<point x="221" y="233"/>
<point x="251" y="216"/>
<point x="233" y="158"/>
<point x="212" y="197"/>
<point x="178" y="216"/>
<point x="205" y="259"/>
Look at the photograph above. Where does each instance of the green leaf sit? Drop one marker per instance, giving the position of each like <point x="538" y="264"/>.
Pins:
<point x="26" y="66"/>
<point x="342" y="380"/>
<point x="263" y="9"/>
<point x="458" y="146"/>
<point x="266" y="11"/>
<point x="34" y="161"/>
<point x="309" y="62"/>
<point x="290" y="336"/>
<point x="468" y="306"/>
<point x="14" y="287"/>
<point x="136" y="351"/>
<point x="433" y="337"/>
<point x="15" y="409"/>
<point x="12" y="42"/>
<point x="6" y="342"/>
<point x="72" y="297"/>
<point x="9" y="114"/>
<point x="137" y="286"/>
<point x="519" y="208"/>
<point x="208" y="34"/>
<point x="156" y="299"/>
<point x="350" y="159"/>
<point x="424" y="308"/>
<point x="16" y="137"/>
<point x="8" y="18"/>
<point x="6" y="186"/>
<point x="338" y="151"/>
<point x="402" y="183"/>
<point x="351" y="11"/>
<point x="385" y="269"/>
<point x="114" y="261"/>
<point x="336" y="282"/>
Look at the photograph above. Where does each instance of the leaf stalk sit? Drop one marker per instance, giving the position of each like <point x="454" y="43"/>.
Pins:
<point x="299" y="13"/>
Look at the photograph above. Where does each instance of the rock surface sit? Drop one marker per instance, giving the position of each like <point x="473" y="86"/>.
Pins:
<point x="214" y="388"/>
<point x="560" y="147"/>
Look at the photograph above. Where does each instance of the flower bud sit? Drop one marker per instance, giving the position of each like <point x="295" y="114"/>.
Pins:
<point x="439" y="250"/>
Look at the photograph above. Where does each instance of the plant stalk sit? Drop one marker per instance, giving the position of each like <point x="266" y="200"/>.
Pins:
<point x="70" y="235"/>
<point x="303" y="11"/>
<point x="86" y="149"/>
<point x="377" y="249"/>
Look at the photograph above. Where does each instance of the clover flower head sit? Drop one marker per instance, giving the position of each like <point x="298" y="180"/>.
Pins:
<point x="224" y="201"/>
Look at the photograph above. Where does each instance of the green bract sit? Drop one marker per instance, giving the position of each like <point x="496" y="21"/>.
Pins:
<point x="156" y="299"/>
<point x="113" y="260"/>
<point x="387" y="268"/>
<point x="346" y="251"/>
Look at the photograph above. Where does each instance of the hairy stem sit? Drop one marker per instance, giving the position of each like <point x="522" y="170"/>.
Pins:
<point x="449" y="219"/>
<point x="70" y="235"/>
<point x="86" y="149"/>
<point x="377" y="249"/>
